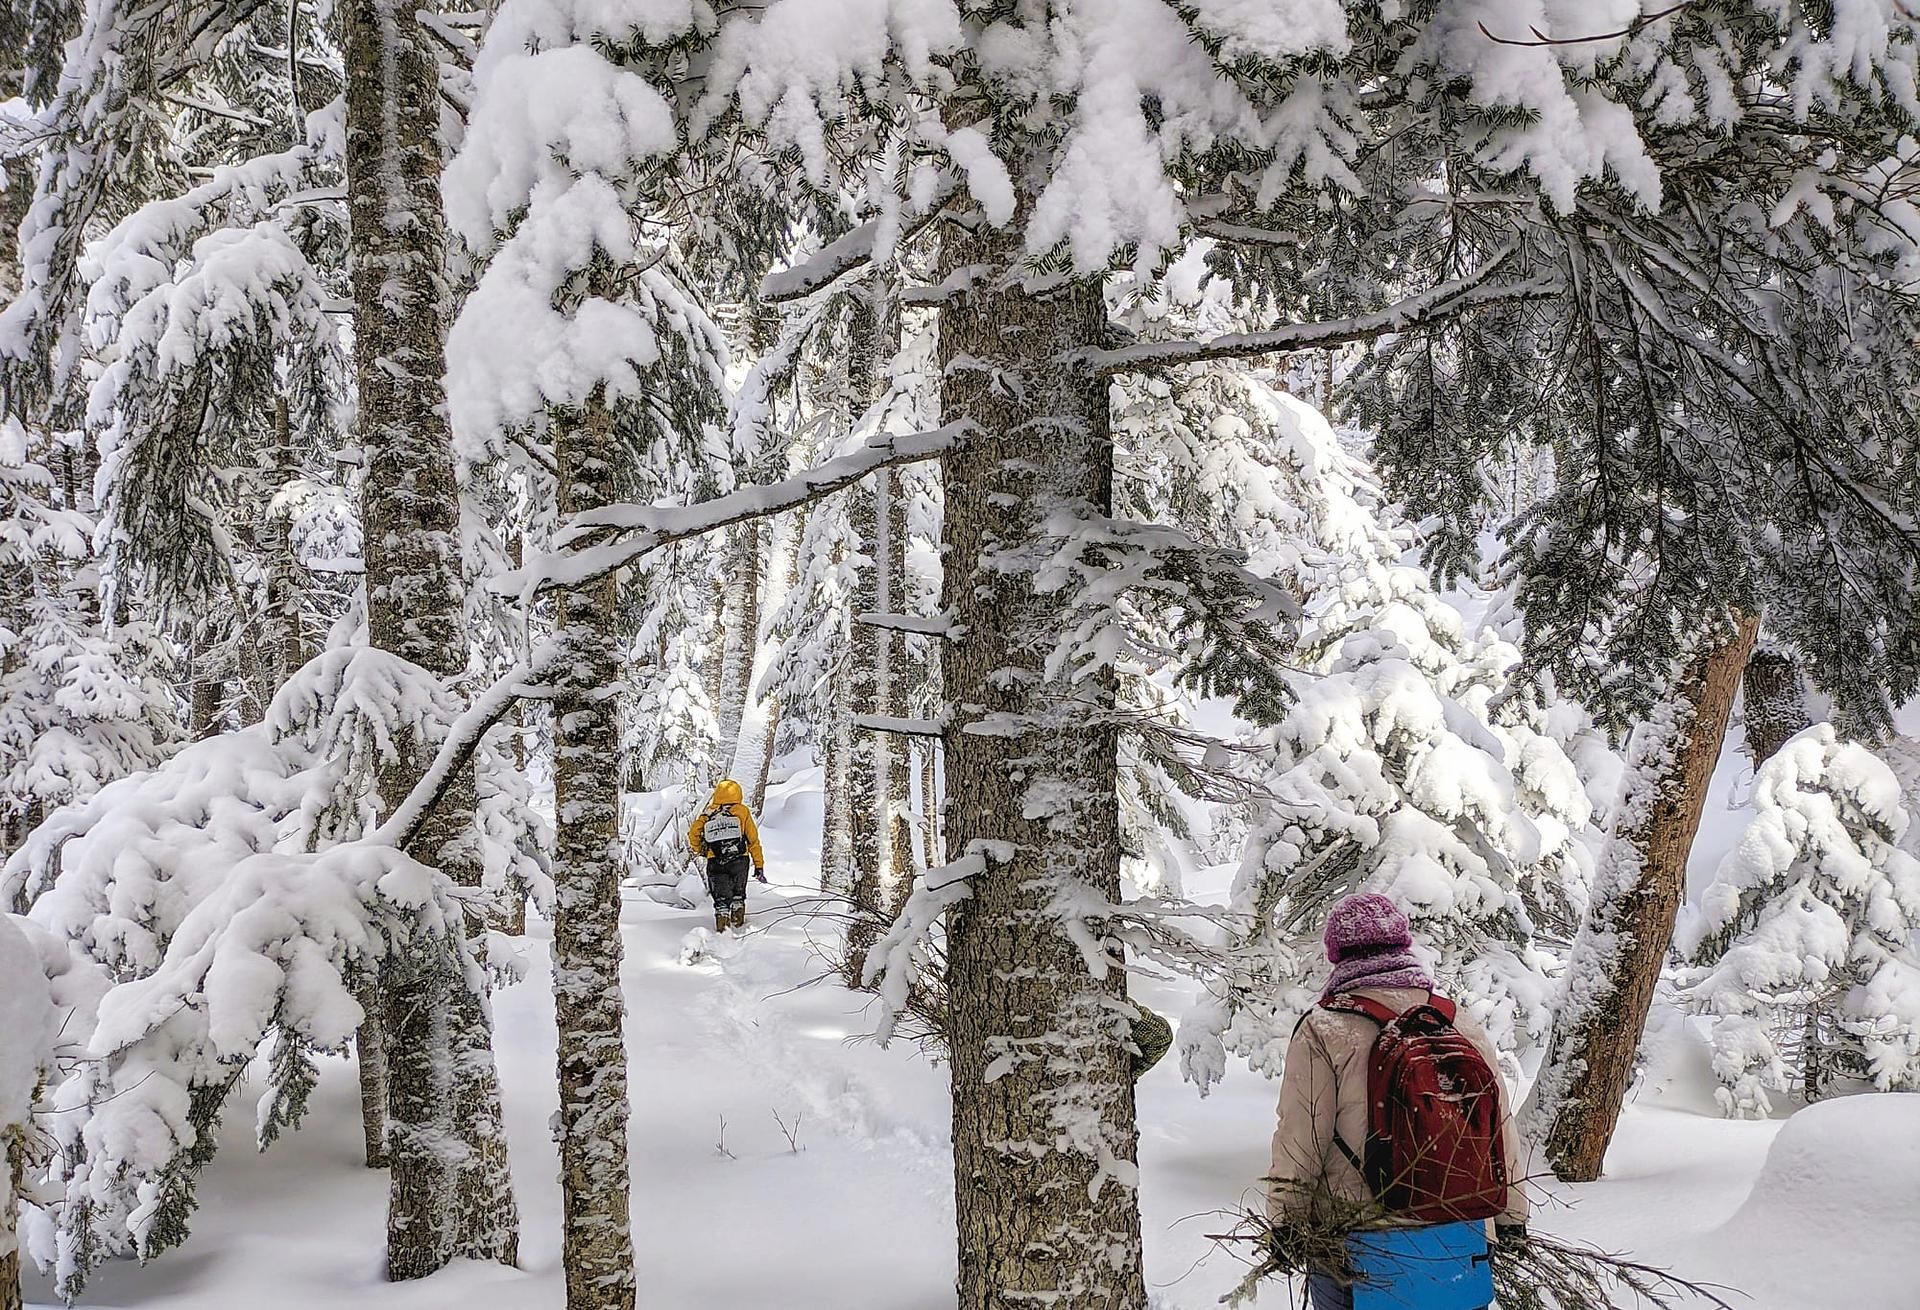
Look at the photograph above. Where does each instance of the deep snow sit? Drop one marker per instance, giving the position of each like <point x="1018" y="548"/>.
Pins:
<point x="722" y="1038"/>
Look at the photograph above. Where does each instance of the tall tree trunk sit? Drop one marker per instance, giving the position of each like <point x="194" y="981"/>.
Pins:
<point x="740" y="644"/>
<point x="1775" y="702"/>
<point x="1617" y="957"/>
<point x="836" y="748"/>
<point x="370" y="1051"/>
<point x="205" y="692"/>
<point x="875" y="340"/>
<point x="896" y="758"/>
<point x="1045" y="1179"/>
<point x="11" y="1161"/>
<point x="753" y="759"/>
<point x="595" y="1241"/>
<point x="284" y="639"/>
<point x="930" y="806"/>
<point x="448" y="1193"/>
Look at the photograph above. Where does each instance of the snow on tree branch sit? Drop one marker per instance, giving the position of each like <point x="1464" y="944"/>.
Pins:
<point x="638" y="530"/>
<point x="1446" y="301"/>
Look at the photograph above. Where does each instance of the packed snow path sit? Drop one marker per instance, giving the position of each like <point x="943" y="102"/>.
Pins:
<point x="855" y="1212"/>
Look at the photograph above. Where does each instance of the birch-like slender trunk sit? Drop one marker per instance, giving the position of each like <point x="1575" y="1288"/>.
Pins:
<point x="836" y="749"/>
<point x="1616" y="960"/>
<point x="1044" y="1140"/>
<point x="284" y="643"/>
<point x="753" y="758"/>
<point x="370" y="1052"/>
<point x="930" y="806"/>
<point x="596" y="1244"/>
<point x="896" y="753"/>
<point x="11" y="1153"/>
<point x="875" y="340"/>
<point x="449" y="1192"/>
<point x="740" y="643"/>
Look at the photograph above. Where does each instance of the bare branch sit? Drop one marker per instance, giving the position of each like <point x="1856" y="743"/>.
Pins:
<point x="1448" y="300"/>
<point x="1631" y="29"/>
<point x="659" y="525"/>
<point x="603" y="540"/>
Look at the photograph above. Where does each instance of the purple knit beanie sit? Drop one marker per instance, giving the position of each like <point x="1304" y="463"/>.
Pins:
<point x="1365" y="922"/>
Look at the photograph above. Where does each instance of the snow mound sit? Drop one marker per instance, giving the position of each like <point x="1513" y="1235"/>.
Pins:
<point x="1838" y="1180"/>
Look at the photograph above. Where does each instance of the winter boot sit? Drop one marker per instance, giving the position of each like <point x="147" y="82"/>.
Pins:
<point x="740" y="915"/>
<point x="722" y="917"/>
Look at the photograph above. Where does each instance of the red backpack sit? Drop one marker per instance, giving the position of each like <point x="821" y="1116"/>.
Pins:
<point x="1433" y="1152"/>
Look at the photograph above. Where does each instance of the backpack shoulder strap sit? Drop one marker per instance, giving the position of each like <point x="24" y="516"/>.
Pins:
<point x="1351" y="1003"/>
<point x="1441" y="1006"/>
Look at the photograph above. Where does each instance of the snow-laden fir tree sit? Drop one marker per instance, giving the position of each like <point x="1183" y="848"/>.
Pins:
<point x="583" y="332"/>
<point x="1804" y="943"/>
<point x="1062" y="140"/>
<point x="80" y="704"/>
<point x="120" y="876"/>
<point x="1390" y="770"/>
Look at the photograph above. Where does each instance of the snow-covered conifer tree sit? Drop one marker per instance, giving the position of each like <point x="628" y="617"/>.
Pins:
<point x="1805" y="940"/>
<point x="581" y="329"/>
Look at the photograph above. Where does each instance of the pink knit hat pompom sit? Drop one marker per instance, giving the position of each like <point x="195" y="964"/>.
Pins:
<point x="1364" y="922"/>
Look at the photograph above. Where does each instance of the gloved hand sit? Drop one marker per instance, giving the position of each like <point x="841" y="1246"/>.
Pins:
<point x="1510" y="1237"/>
<point x="759" y="875"/>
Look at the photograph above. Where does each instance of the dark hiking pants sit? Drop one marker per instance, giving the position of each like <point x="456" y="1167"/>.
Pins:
<point x="727" y="880"/>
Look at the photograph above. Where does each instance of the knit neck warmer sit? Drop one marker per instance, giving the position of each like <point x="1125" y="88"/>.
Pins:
<point x="1393" y="966"/>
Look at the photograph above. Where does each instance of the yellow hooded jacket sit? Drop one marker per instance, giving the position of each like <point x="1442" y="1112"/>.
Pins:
<point x="727" y="797"/>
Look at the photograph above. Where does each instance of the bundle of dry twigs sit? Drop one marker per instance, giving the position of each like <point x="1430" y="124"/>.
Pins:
<point x="1542" y="1273"/>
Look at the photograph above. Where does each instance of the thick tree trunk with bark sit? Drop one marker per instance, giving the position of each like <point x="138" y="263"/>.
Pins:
<point x="1776" y="702"/>
<point x="1616" y="960"/>
<point x="1045" y="1179"/>
<point x="595" y="1241"/>
<point x="449" y="1193"/>
<point x="204" y="695"/>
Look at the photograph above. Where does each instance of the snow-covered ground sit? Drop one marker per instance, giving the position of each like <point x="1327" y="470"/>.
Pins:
<point x="727" y="1041"/>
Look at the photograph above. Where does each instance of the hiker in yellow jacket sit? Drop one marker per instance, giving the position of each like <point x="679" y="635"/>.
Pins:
<point x="727" y="838"/>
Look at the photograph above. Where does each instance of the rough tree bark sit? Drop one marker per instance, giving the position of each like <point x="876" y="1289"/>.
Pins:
<point x="1775" y="702"/>
<point x="283" y="636"/>
<point x="595" y="1240"/>
<point x="875" y="337"/>
<point x="370" y="1051"/>
<point x="930" y="807"/>
<point x="896" y="760"/>
<point x="1616" y="960"/>
<point x="449" y="1192"/>
<point x="1043" y="1112"/>
<point x="12" y="1160"/>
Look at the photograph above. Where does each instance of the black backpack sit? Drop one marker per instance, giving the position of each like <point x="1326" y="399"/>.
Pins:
<point x="724" y="836"/>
